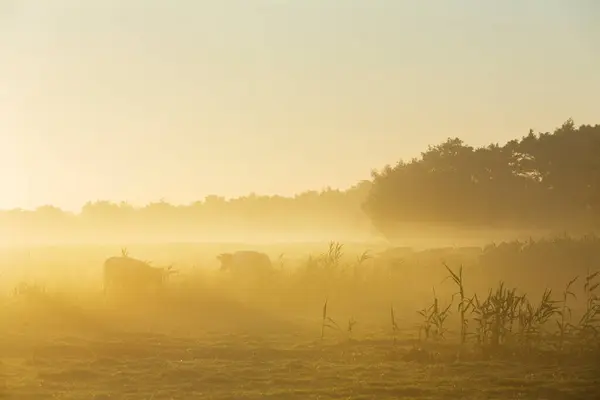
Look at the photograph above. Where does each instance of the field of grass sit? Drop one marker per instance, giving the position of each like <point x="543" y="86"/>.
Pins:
<point x="330" y="326"/>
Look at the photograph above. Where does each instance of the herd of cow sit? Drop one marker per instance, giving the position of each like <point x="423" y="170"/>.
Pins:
<point x="127" y="274"/>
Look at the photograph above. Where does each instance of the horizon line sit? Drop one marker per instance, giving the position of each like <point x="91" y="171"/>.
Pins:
<point x="163" y="200"/>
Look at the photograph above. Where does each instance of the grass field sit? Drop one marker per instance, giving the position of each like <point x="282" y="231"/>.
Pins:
<point x="216" y="338"/>
<point x="282" y="366"/>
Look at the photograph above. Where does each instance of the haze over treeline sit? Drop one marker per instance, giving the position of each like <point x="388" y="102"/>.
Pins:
<point x="544" y="181"/>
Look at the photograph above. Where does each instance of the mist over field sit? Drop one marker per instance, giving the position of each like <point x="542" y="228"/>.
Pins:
<point x="299" y="200"/>
<point x="122" y="301"/>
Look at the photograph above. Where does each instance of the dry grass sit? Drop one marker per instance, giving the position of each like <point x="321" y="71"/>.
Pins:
<point x="213" y="337"/>
<point x="144" y="366"/>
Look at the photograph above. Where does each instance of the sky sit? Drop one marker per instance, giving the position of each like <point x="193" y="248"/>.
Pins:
<point x="141" y="100"/>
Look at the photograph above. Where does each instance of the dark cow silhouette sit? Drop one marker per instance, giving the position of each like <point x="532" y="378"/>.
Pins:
<point x="246" y="263"/>
<point x="127" y="274"/>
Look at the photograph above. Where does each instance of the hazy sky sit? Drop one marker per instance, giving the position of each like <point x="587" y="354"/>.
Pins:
<point x="139" y="100"/>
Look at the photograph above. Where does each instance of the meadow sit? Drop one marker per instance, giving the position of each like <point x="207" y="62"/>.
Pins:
<point x="512" y="321"/>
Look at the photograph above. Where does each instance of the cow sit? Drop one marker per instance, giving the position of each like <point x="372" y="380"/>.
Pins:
<point x="129" y="274"/>
<point x="246" y="263"/>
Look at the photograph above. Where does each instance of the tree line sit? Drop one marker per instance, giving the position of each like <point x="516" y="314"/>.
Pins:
<point x="215" y="218"/>
<point x="545" y="180"/>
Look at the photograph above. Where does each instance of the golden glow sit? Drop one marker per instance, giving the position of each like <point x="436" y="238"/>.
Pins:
<point x="141" y="102"/>
<point x="12" y="177"/>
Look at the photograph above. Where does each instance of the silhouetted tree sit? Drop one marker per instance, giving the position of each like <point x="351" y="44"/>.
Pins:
<point x="213" y="218"/>
<point x="548" y="180"/>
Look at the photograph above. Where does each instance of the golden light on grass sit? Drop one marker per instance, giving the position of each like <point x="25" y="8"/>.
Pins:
<point x="205" y="331"/>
